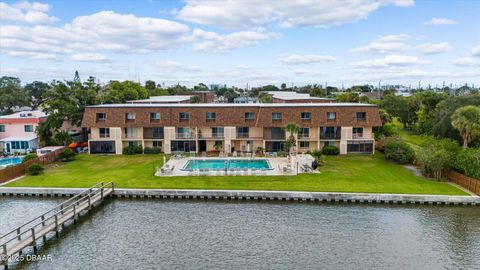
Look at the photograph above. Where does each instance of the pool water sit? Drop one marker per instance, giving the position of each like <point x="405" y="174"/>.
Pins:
<point x="222" y="164"/>
<point x="10" y="161"/>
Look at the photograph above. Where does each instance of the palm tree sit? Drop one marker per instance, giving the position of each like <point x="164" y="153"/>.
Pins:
<point x="293" y="129"/>
<point x="218" y="145"/>
<point x="467" y="121"/>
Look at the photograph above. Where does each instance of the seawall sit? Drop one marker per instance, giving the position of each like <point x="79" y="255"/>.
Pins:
<point x="254" y="195"/>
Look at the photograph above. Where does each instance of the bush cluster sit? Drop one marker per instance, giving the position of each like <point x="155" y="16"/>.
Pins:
<point x="29" y="156"/>
<point x="132" y="150"/>
<point x="151" y="150"/>
<point x="35" y="169"/>
<point x="66" y="154"/>
<point x="399" y="151"/>
<point x="330" y="150"/>
<point x="468" y="163"/>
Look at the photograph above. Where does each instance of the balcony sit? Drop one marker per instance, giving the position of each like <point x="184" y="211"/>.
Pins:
<point x="153" y="133"/>
<point x="185" y="135"/>
<point x="330" y="133"/>
<point x="242" y="135"/>
<point x="304" y="136"/>
<point x="357" y="136"/>
<point x="218" y="135"/>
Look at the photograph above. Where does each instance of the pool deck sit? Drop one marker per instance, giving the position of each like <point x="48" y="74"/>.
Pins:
<point x="279" y="166"/>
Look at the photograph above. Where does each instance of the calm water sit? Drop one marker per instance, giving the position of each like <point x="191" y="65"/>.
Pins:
<point x="155" y="234"/>
<point x="222" y="164"/>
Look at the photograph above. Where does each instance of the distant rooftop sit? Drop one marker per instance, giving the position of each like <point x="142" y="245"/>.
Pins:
<point x="25" y="114"/>
<point x="290" y="95"/>
<point x="200" y="105"/>
<point x="156" y="99"/>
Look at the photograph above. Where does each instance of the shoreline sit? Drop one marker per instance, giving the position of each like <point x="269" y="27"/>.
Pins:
<point x="253" y="195"/>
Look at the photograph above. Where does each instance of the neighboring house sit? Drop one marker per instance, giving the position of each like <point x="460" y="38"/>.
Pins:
<point x="294" y="97"/>
<point x="246" y="100"/>
<point x="237" y="127"/>
<point x="17" y="131"/>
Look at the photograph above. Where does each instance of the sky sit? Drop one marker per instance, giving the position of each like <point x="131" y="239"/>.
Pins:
<point x="243" y="42"/>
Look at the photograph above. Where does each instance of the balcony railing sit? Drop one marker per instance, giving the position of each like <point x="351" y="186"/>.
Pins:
<point x="274" y="137"/>
<point x="330" y="136"/>
<point x="304" y="136"/>
<point x="185" y="135"/>
<point x="357" y="135"/>
<point x="211" y="136"/>
<point x="242" y="135"/>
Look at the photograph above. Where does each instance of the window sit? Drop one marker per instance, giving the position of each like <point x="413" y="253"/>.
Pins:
<point x="304" y="132"/>
<point x="157" y="132"/>
<point x="217" y="132"/>
<point x="360" y="147"/>
<point x="249" y="116"/>
<point x="276" y="116"/>
<point x="361" y="116"/>
<point x="210" y="116"/>
<point x="157" y="144"/>
<point x="104" y="132"/>
<point x="304" y="144"/>
<point x="131" y="132"/>
<point x="357" y="132"/>
<point x="306" y="115"/>
<point x="184" y="116"/>
<point x="330" y="133"/>
<point x="242" y="132"/>
<point x="28" y="128"/>
<point x="101" y="116"/>
<point x="155" y="116"/>
<point x="2" y="128"/>
<point x="331" y="116"/>
<point x="130" y="116"/>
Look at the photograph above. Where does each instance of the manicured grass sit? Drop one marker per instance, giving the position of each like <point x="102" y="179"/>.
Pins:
<point x="352" y="173"/>
<point x="416" y="141"/>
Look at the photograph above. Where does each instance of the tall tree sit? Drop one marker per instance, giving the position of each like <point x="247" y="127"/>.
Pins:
<point x="467" y="121"/>
<point x="36" y="90"/>
<point x="120" y="92"/>
<point x="293" y="129"/>
<point x="402" y="107"/>
<point x="12" y="95"/>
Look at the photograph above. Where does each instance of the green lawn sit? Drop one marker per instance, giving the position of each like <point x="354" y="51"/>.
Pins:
<point x="352" y="173"/>
<point x="416" y="141"/>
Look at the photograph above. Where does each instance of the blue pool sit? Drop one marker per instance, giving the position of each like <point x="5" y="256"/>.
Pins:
<point x="10" y="161"/>
<point x="222" y="164"/>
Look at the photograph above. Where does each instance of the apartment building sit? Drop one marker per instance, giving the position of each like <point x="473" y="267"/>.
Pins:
<point x="17" y="131"/>
<point x="233" y="127"/>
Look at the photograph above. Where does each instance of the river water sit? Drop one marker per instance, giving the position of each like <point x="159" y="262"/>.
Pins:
<point x="189" y="234"/>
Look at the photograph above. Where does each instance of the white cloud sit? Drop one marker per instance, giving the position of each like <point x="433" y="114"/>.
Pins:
<point x="296" y="59"/>
<point x="244" y="14"/>
<point x="26" y="12"/>
<point x="389" y="61"/>
<point x="213" y="42"/>
<point x="33" y="55"/>
<point x="102" y="31"/>
<point x="466" y="61"/>
<point x="476" y="51"/>
<point x="440" y="21"/>
<point x="434" y="48"/>
<point x="89" y="57"/>
<point x="385" y="44"/>
<point x="172" y="66"/>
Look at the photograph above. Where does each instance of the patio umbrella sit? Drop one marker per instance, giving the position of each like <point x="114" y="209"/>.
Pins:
<point x="73" y="145"/>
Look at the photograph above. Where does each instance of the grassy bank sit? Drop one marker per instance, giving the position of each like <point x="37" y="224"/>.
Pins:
<point x="352" y="173"/>
<point x="414" y="140"/>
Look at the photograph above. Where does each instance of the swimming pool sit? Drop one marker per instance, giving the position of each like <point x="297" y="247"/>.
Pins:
<point x="4" y="162"/>
<point x="227" y="164"/>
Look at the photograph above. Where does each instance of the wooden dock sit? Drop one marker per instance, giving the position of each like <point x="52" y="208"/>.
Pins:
<point x="13" y="242"/>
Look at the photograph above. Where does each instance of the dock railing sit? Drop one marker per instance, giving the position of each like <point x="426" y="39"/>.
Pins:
<point x="27" y="234"/>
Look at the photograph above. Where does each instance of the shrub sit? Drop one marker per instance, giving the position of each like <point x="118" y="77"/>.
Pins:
<point x="433" y="160"/>
<point x="468" y="162"/>
<point x="66" y="154"/>
<point x="330" y="150"/>
<point x="132" y="150"/>
<point x="29" y="156"/>
<point x="399" y="151"/>
<point x="385" y="130"/>
<point x="151" y="150"/>
<point x="317" y="154"/>
<point x="35" y="169"/>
